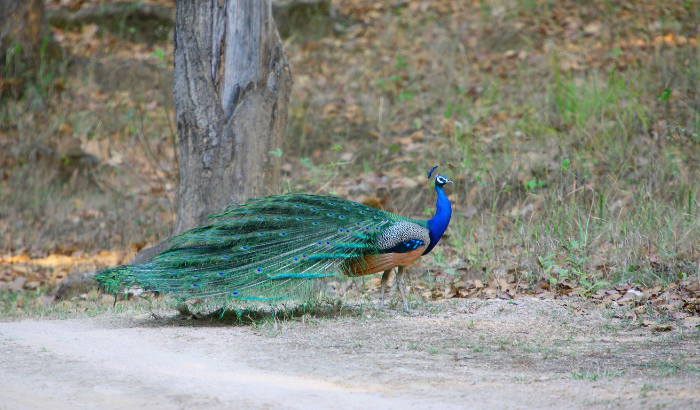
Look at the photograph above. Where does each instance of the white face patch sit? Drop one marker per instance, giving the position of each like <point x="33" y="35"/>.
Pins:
<point x="402" y="232"/>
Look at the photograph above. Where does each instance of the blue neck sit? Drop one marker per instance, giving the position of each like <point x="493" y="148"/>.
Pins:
<point x="439" y="222"/>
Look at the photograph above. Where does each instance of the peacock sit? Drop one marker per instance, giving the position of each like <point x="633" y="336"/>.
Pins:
<point x="269" y="249"/>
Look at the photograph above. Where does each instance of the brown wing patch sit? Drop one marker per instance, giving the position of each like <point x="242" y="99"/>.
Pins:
<point x="370" y="264"/>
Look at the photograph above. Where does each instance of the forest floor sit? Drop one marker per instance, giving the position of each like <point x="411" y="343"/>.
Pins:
<point x="569" y="274"/>
<point x="528" y="354"/>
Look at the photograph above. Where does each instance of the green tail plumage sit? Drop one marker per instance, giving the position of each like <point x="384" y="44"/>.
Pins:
<point x="266" y="249"/>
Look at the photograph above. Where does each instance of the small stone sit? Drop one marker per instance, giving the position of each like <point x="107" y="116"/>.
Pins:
<point x="692" y="321"/>
<point x="18" y="284"/>
<point x="76" y="285"/>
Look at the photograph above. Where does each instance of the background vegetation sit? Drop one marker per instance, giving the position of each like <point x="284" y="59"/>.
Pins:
<point x="571" y="130"/>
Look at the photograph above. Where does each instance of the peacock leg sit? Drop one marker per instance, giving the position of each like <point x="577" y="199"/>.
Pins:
<point x="402" y="289"/>
<point x="385" y="278"/>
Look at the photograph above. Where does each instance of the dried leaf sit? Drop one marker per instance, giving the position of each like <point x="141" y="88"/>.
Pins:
<point x="662" y="328"/>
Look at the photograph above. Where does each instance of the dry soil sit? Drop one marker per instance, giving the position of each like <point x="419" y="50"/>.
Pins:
<point x="533" y="354"/>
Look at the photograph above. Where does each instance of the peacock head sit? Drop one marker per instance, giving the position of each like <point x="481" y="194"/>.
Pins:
<point x="440" y="180"/>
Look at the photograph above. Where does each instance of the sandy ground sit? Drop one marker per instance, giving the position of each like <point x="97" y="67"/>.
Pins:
<point x="469" y="354"/>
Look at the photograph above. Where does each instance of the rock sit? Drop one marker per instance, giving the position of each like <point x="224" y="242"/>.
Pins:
<point x="18" y="284"/>
<point x="76" y="285"/>
<point x="691" y="322"/>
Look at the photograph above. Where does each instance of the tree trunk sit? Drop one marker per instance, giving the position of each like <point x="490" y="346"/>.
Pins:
<point x="231" y="89"/>
<point x="21" y="35"/>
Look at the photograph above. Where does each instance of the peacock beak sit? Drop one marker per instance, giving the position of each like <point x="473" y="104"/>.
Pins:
<point x="447" y="180"/>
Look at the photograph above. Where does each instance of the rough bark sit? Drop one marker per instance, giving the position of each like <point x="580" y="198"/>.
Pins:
<point x="231" y="90"/>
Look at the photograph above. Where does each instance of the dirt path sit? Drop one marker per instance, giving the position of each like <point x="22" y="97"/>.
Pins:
<point x="473" y="354"/>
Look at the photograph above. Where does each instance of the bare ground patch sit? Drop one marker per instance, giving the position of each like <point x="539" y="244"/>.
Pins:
<point x="465" y="354"/>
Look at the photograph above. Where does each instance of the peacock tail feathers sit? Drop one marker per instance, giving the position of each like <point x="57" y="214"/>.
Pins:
<point x="264" y="250"/>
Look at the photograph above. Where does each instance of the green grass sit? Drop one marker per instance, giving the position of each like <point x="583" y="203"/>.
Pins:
<point x="584" y="376"/>
<point x="666" y="368"/>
